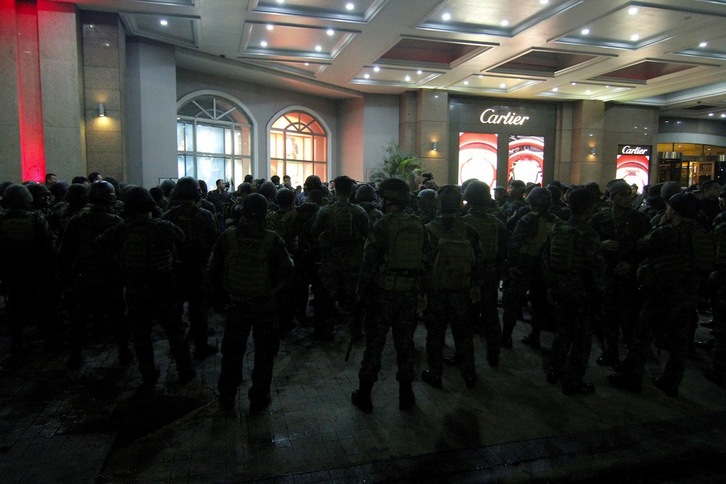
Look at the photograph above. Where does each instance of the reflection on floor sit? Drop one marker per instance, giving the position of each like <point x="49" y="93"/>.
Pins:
<point x="92" y="424"/>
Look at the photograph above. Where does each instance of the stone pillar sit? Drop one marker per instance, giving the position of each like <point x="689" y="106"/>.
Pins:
<point x="588" y="128"/>
<point x="10" y="163"/>
<point x="432" y="126"/>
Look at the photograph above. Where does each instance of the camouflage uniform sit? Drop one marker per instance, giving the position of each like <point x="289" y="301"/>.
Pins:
<point x="257" y="314"/>
<point x="286" y="224"/>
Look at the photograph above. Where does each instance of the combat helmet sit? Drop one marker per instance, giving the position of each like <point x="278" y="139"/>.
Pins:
<point x="255" y="207"/>
<point x="394" y="190"/>
<point x="449" y="198"/>
<point x="477" y="193"/>
<point x="539" y="197"/>
<point x="17" y="196"/>
<point x="102" y="191"/>
<point x="187" y="188"/>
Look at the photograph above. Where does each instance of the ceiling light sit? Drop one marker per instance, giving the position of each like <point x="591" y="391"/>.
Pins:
<point x="555" y="89"/>
<point x="723" y="115"/>
<point x="330" y="32"/>
<point x="106" y="44"/>
<point x="270" y="27"/>
<point x="466" y="83"/>
<point x="585" y="31"/>
<point x="607" y="87"/>
<point x="573" y="83"/>
<point x="502" y="85"/>
<point x="367" y="76"/>
<point x="407" y="78"/>
<point x="588" y="91"/>
<point x="436" y="96"/>
<point x="632" y="10"/>
<point x="544" y="2"/>
<point x="318" y="48"/>
<point x="164" y="22"/>
<point x="349" y="6"/>
<point x="419" y="72"/>
<point x="703" y="44"/>
<point x="307" y="63"/>
<point x="280" y="1"/>
<point x="634" y="37"/>
<point x="263" y="44"/>
<point x="446" y="17"/>
<point x="376" y="69"/>
<point x="710" y="114"/>
<point x="504" y="23"/>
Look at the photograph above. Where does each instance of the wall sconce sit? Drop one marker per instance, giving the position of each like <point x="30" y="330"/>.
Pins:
<point x="101" y="110"/>
<point x="435" y="146"/>
<point x="593" y="151"/>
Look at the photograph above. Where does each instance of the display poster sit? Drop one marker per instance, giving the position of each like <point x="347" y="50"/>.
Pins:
<point x="526" y="159"/>
<point x="633" y="164"/>
<point x="478" y="157"/>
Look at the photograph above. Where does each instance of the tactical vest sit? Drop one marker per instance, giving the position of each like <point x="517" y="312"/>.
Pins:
<point x="454" y="258"/>
<point x="283" y="224"/>
<point x="341" y="223"/>
<point x="487" y="228"/>
<point x="565" y="250"/>
<point x="140" y="251"/>
<point x="247" y="269"/>
<point x="719" y="242"/>
<point x="402" y="262"/>
<point x="531" y="250"/>
<point x="17" y="234"/>
<point x="701" y="250"/>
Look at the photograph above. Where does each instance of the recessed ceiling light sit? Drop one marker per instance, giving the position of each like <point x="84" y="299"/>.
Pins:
<point x="164" y="22"/>
<point x="106" y="44"/>
<point x="544" y="2"/>
<point x="585" y="31"/>
<point x="419" y="72"/>
<point x="588" y="91"/>
<point x="590" y="135"/>
<point x="634" y="37"/>
<point x="573" y="83"/>
<point x="504" y="23"/>
<point x="318" y="48"/>
<point x="632" y="10"/>
<point x="710" y="114"/>
<point x="407" y="78"/>
<point x="502" y="85"/>
<point x="281" y="1"/>
<point x="607" y="87"/>
<point x="270" y="27"/>
<point x="555" y="89"/>
<point x="703" y="44"/>
<point x="446" y="17"/>
<point x="307" y="63"/>
<point x="376" y="69"/>
<point x="367" y="76"/>
<point x="466" y="83"/>
<point x="723" y="115"/>
<point x="349" y="6"/>
<point x="263" y="44"/>
<point x="330" y="32"/>
<point x="436" y="96"/>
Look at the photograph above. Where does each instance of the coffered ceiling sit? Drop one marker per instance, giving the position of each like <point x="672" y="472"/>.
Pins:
<point x="666" y="53"/>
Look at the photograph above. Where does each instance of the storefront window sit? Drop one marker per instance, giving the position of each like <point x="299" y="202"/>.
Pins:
<point x="690" y="164"/>
<point x="214" y="140"/>
<point x="298" y="147"/>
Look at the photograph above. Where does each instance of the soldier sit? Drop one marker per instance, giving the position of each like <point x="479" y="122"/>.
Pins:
<point x="426" y="205"/>
<point x="93" y="282"/>
<point x="27" y="264"/>
<point x="308" y="270"/>
<point x="514" y="201"/>
<point x="365" y="196"/>
<point x="389" y="284"/>
<point x="677" y="254"/>
<point x="145" y="247"/>
<point x="75" y="199"/>
<point x="493" y="243"/>
<point x="619" y="227"/>
<point x="341" y="228"/>
<point x="200" y="235"/>
<point x="573" y="271"/>
<point x="717" y="372"/>
<point x="252" y="266"/>
<point x="457" y="273"/>
<point x="523" y="264"/>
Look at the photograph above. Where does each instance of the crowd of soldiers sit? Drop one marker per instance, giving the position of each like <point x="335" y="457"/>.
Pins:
<point x="623" y="269"/>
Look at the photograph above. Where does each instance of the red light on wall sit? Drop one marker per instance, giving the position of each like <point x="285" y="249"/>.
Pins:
<point x="30" y="101"/>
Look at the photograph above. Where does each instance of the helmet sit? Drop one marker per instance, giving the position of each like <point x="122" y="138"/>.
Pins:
<point x="685" y="204"/>
<point x="581" y="200"/>
<point x="17" y="196"/>
<point x="669" y="189"/>
<point x="449" y="198"/>
<point x="365" y="193"/>
<point x="167" y="186"/>
<point x="38" y="191"/>
<point x="268" y="190"/>
<point x="101" y="191"/>
<point x="618" y="186"/>
<point x="59" y="190"/>
<point x="427" y="194"/>
<point x="477" y="193"/>
<point x="77" y="193"/>
<point x="285" y="197"/>
<point x="313" y="183"/>
<point x="187" y="188"/>
<point x="539" y="197"/>
<point x="138" y="199"/>
<point x="255" y="207"/>
<point x="394" y="190"/>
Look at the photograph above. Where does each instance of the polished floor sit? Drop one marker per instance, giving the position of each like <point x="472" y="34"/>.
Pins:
<point x="91" y="425"/>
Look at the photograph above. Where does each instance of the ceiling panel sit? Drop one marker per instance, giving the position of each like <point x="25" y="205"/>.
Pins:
<point x="269" y="39"/>
<point x="167" y="28"/>
<point x="644" y="71"/>
<point x="545" y="62"/>
<point x="432" y="53"/>
<point x="584" y="90"/>
<point x="377" y="75"/>
<point x="481" y="83"/>
<point x="352" y="11"/>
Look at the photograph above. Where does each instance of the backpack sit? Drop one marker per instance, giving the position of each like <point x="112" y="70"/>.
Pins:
<point x="283" y="224"/>
<point x="487" y="228"/>
<point x="565" y="251"/>
<point x="247" y="269"/>
<point x="405" y="243"/>
<point x="454" y="258"/>
<point x="17" y="234"/>
<point x="341" y="223"/>
<point x="139" y="251"/>
<point x="531" y="249"/>
<point x="185" y="221"/>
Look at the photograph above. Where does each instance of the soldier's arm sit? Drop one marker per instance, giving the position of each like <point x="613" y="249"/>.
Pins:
<point x="372" y="254"/>
<point x="282" y="263"/>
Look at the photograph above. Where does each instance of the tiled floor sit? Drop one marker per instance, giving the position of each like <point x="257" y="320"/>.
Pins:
<point x="91" y="426"/>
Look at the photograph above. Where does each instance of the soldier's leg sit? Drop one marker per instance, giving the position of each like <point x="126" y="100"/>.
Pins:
<point x="581" y="348"/>
<point x="168" y="314"/>
<point x="403" y="326"/>
<point x="436" y="322"/>
<point x="140" y="322"/>
<point x="630" y="372"/>
<point x="459" y="309"/>
<point x="561" y="345"/>
<point x="234" y="344"/>
<point x="680" y="338"/>
<point x="717" y="372"/>
<point x="513" y="299"/>
<point x="490" y="317"/>
<point x="376" y="332"/>
<point x="266" y="342"/>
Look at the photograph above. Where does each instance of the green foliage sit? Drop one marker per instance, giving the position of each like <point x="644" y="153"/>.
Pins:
<point x="397" y="164"/>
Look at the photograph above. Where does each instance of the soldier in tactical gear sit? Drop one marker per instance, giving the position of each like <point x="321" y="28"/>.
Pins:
<point x="523" y="266"/>
<point x="145" y="247"/>
<point x="200" y="235"/>
<point x="365" y="196"/>
<point x="619" y="227"/>
<point x="27" y="263"/>
<point x="41" y="198"/>
<point x="252" y="266"/>
<point x="341" y="228"/>
<point x="389" y="284"/>
<point x="456" y="270"/>
<point x="426" y="205"/>
<point x="677" y="254"/>
<point x="716" y="373"/>
<point x="493" y="243"/>
<point x="93" y="282"/>
<point x="573" y="272"/>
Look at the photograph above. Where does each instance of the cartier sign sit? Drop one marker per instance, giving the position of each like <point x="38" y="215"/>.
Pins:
<point x="634" y="150"/>
<point x="490" y="116"/>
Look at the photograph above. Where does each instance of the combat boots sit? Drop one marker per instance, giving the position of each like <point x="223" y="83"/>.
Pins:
<point x="406" y="397"/>
<point x="361" y="398"/>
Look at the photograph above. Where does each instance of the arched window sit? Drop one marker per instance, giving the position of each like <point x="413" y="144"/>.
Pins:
<point x="214" y="140"/>
<point x="298" y="147"/>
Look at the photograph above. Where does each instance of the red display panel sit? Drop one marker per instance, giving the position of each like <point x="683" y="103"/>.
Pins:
<point x="633" y="164"/>
<point x="478" y="157"/>
<point x="526" y="159"/>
